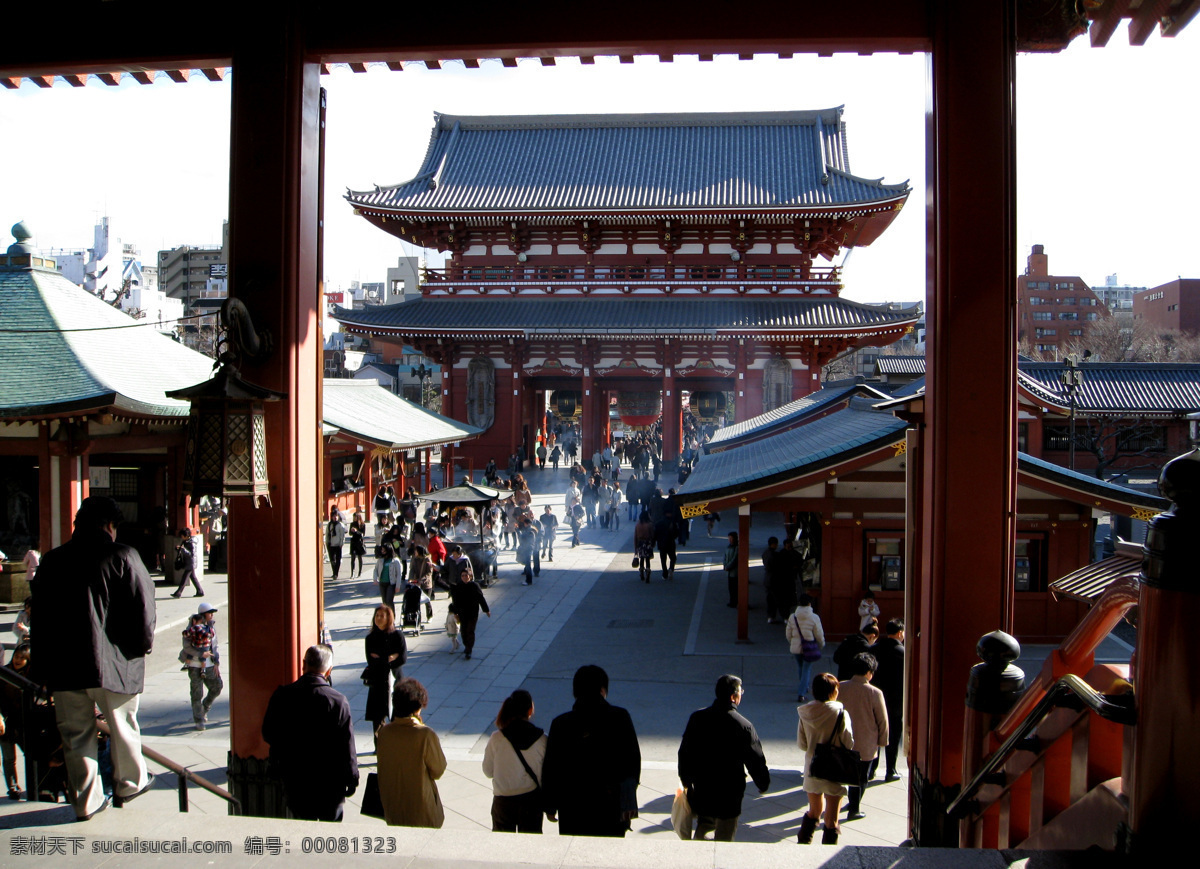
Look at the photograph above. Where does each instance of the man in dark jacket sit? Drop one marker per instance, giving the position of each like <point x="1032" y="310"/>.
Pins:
<point x="889" y="679"/>
<point x="593" y="762"/>
<point x="851" y="646"/>
<point x="468" y="600"/>
<point x="311" y="734"/>
<point x="665" y="534"/>
<point x="719" y="747"/>
<point x="90" y="651"/>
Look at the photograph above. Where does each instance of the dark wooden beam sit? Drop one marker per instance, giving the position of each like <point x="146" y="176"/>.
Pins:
<point x="1104" y="25"/>
<point x="1145" y="18"/>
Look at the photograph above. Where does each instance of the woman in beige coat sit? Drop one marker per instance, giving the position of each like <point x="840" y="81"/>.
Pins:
<point x="865" y="705"/>
<point x="819" y="722"/>
<point x="410" y="762"/>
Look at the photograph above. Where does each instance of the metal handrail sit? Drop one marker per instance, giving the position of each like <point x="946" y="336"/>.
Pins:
<point x="1069" y="692"/>
<point x="33" y="693"/>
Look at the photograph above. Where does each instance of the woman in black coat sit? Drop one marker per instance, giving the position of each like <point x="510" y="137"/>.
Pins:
<point x="386" y="654"/>
<point x="185" y="564"/>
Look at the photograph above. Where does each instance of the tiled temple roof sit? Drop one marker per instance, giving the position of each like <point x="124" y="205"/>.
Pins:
<point x="790" y="414"/>
<point x="1166" y="388"/>
<point x="617" y="163"/>
<point x="623" y="315"/>
<point x="365" y="410"/>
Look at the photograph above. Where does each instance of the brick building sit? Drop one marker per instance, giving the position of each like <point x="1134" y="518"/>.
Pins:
<point x="1053" y="309"/>
<point x="1175" y="305"/>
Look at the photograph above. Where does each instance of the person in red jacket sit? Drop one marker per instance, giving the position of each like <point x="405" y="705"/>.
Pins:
<point x="437" y="549"/>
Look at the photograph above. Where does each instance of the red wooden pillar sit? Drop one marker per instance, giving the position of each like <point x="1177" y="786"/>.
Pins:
<point x="47" y="518"/>
<point x="965" y="587"/>
<point x="741" y="405"/>
<point x="518" y="411"/>
<point x="588" y="437"/>
<point x="743" y="572"/>
<point x="275" y="554"/>
<point x="68" y="482"/>
<point x="806" y="380"/>
<point x="672" y="417"/>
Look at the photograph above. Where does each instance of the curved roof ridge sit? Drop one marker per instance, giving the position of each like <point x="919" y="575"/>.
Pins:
<point x="901" y="187"/>
<point x="792" y="117"/>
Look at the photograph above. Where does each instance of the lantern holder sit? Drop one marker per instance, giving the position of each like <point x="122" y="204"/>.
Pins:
<point x="226" y="441"/>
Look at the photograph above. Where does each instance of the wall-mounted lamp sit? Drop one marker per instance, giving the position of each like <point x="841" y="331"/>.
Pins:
<point x="735" y="256"/>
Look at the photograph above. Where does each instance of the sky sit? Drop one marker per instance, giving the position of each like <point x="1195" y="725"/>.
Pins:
<point x="1108" y="163"/>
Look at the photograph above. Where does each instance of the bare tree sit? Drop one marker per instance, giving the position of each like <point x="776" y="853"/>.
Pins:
<point x="1137" y="444"/>
<point x="1031" y="352"/>
<point x="1114" y="339"/>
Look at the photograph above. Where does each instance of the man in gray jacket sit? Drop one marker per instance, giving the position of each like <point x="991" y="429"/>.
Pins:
<point x="91" y="652"/>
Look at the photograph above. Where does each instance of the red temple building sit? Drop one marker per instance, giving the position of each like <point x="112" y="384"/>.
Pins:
<point x="630" y="256"/>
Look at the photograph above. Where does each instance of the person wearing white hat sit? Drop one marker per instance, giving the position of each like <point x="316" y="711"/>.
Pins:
<point x="203" y="662"/>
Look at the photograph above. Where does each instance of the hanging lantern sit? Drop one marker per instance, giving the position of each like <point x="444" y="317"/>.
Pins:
<point x="566" y="403"/>
<point x="707" y="406"/>
<point x="226" y="453"/>
<point x="639" y="408"/>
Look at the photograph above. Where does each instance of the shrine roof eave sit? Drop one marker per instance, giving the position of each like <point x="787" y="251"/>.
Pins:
<point x="1087" y="490"/>
<point x="533" y="334"/>
<point x="365" y="411"/>
<point x="717" y="214"/>
<point x="795" y="457"/>
<point x="120" y="407"/>
<point x="790" y="414"/>
<point x="700" y="317"/>
<point x="779" y="484"/>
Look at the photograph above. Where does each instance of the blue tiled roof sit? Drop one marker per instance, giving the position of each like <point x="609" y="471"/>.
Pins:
<point x="852" y="431"/>
<point x="900" y="364"/>
<point x="791" y="413"/>
<point x="843" y="435"/>
<point x="622" y="315"/>
<point x="589" y="163"/>
<point x="1087" y="483"/>
<point x="1122" y="387"/>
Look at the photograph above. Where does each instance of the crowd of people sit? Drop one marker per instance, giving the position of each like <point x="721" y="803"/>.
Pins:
<point x="582" y="773"/>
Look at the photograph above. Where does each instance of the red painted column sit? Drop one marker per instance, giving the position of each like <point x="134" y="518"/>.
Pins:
<point x="72" y="487"/>
<point x="46" y="517"/>
<point x="517" y="409"/>
<point x="672" y="416"/>
<point x="741" y="405"/>
<point x="588" y="438"/>
<point x="275" y="551"/>
<point x="965" y="587"/>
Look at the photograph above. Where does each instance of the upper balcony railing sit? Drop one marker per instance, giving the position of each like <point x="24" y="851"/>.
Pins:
<point x="643" y="275"/>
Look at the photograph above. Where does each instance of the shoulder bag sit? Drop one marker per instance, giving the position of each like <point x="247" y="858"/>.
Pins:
<point x="372" y="801"/>
<point x="810" y="650"/>
<point x="536" y="784"/>
<point x="834" y="763"/>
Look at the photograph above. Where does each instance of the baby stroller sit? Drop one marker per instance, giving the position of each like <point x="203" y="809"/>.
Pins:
<point x="412" y="613"/>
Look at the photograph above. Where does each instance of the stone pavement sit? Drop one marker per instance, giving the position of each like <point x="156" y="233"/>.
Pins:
<point x="663" y="645"/>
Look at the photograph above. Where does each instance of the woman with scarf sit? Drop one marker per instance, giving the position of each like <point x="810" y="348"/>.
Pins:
<point x="513" y="761"/>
